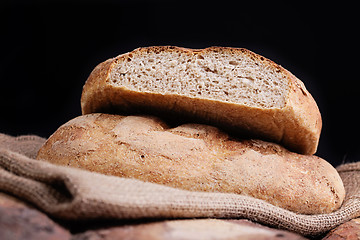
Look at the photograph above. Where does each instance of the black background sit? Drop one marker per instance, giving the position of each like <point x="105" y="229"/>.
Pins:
<point x="48" y="49"/>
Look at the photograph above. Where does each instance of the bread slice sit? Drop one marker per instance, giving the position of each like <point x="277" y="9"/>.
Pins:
<point x="234" y="89"/>
<point x="195" y="157"/>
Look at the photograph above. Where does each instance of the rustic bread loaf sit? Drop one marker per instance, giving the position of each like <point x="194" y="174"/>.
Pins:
<point x="234" y="89"/>
<point x="195" y="157"/>
<point x="191" y="229"/>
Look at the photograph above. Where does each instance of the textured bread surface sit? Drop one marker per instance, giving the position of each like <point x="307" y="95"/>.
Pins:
<point x="197" y="158"/>
<point x="234" y="89"/>
<point x="214" y="75"/>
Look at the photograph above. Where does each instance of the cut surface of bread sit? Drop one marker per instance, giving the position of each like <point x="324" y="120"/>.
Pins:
<point x="216" y="75"/>
<point x="231" y="88"/>
<point x="195" y="157"/>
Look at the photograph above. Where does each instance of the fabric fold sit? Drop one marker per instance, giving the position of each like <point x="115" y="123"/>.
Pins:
<point x="70" y="193"/>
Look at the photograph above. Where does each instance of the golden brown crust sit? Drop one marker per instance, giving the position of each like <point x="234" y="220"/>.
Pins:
<point x="297" y="125"/>
<point x="197" y="158"/>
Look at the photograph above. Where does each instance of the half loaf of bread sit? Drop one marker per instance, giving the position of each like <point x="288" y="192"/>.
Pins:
<point x="234" y="89"/>
<point x="197" y="158"/>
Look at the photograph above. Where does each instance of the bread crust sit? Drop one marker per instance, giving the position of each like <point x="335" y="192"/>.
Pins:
<point x="195" y="157"/>
<point x="297" y="125"/>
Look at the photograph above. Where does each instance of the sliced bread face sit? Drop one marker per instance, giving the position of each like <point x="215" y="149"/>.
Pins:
<point x="215" y="74"/>
<point x="234" y="89"/>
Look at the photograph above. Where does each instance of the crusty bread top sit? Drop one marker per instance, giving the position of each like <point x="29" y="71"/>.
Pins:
<point x="195" y="157"/>
<point x="231" y="88"/>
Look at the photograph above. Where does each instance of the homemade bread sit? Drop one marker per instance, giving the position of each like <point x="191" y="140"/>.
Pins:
<point x="195" y="157"/>
<point x="234" y="89"/>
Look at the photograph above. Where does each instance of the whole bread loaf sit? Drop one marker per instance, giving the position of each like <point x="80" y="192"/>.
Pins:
<point x="197" y="158"/>
<point x="234" y="89"/>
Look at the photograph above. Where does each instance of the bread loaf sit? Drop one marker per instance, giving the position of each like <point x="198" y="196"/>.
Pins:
<point x="234" y="89"/>
<point x="197" y="158"/>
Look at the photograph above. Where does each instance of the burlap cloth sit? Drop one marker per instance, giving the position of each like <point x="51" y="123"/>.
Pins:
<point x="70" y="193"/>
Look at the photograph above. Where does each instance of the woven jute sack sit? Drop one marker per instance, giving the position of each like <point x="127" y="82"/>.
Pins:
<point x="69" y="193"/>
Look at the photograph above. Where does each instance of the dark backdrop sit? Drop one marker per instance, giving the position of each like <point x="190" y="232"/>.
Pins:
<point x="48" y="49"/>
